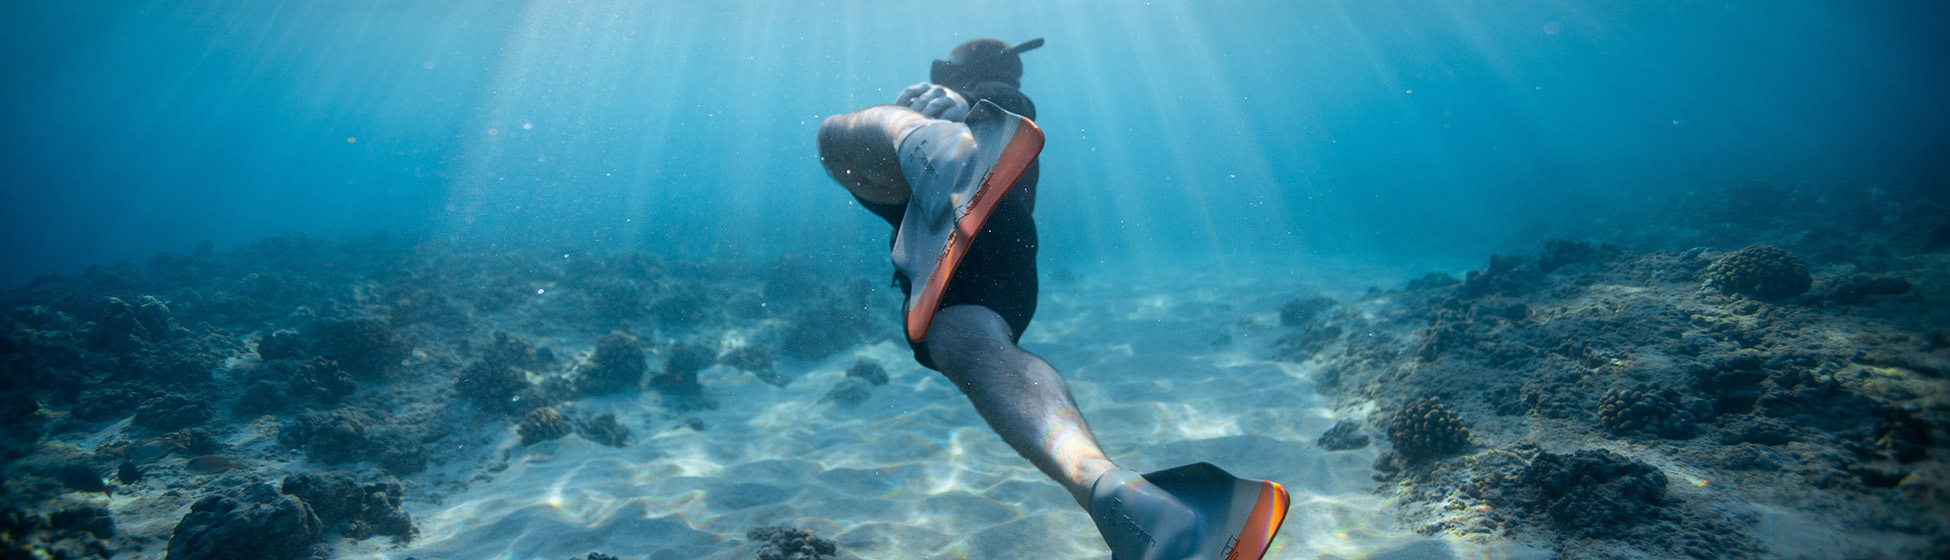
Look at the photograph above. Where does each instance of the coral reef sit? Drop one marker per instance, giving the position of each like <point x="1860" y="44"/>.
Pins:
<point x="618" y="366"/>
<point x="284" y="344"/>
<point x="279" y="384"/>
<point x="831" y="326"/>
<point x="1304" y="345"/>
<point x="256" y="524"/>
<point x="678" y="382"/>
<point x="1760" y="271"/>
<point x="1645" y="410"/>
<point x="350" y="508"/>
<point x="1298" y="312"/>
<point x="543" y="424"/>
<point x="1853" y="289"/>
<point x="604" y="430"/>
<point x="368" y="348"/>
<point x="171" y="412"/>
<point x="493" y="386"/>
<point x="780" y="543"/>
<point x="1593" y="492"/>
<point x="1345" y="435"/>
<point x="754" y="360"/>
<point x="1427" y="429"/>
<point x="72" y="534"/>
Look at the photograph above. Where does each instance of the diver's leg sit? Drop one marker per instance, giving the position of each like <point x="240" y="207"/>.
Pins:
<point x="861" y="150"/>
<point x="1023" y="399"/>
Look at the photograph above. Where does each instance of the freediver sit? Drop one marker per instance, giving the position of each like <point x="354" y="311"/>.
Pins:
<point x="951" y="164"/>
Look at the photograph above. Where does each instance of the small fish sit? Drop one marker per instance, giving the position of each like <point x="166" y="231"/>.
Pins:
<point x="209" y="464"/>
<point x="80" y="478"/>
<point x="128" y="473"/>
<point x="155" y="449"/>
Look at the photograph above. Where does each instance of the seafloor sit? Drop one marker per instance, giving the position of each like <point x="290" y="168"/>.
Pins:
<point x="1752" y="372"/>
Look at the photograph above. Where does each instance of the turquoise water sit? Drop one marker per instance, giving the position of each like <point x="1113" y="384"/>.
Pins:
<point x="551" y="175"/>
<point x="1240" y="130"/>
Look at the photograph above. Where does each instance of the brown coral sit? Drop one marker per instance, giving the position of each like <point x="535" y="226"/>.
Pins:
<point x="543" y="424"/>
<point x="1645" y="410"/>
<point x="1760" y="271"/>
<point x="1427" y="429"/>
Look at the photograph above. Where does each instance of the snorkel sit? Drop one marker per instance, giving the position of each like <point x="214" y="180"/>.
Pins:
<point x="982" y="60"/>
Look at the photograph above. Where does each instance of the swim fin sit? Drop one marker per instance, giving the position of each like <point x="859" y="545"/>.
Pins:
<point x="1192" y="512"/>
<point x="958" y="172"/>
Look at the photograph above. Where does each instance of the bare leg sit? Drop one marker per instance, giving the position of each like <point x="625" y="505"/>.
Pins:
<point x="1023" y="399"/>
<point x="861" y="150"/>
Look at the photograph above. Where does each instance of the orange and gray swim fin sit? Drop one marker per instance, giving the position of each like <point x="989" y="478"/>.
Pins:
<point x="1193" y="512"/>
<point x="958" y="173"/>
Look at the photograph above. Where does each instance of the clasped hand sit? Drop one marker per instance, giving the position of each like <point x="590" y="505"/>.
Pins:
<point x="933" y="101"/>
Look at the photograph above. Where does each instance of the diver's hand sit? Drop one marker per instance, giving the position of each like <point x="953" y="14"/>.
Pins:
<point x="933" y="101"/>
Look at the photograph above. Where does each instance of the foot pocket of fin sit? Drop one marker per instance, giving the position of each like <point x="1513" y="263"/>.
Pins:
<point x="958" y="173"/>
<point x="1192" y="512"/>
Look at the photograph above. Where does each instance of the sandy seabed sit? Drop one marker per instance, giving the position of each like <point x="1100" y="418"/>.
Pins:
<point x="378" y="398"/>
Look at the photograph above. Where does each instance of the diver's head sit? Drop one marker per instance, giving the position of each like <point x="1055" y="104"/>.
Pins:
<point x="982" y="60"/>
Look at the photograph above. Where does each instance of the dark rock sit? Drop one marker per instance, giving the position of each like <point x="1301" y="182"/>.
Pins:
<point x="617" y="299"/>
<point x="516" y="351"/>
<point x="1594" y="493"/>
<point x="117" y="328"/>
<point x="108" y="402"/>
<point x="1747" y="428"/>
<point x="871" y="372"/>
<point x="260" y="524"/>
<point x="543" y="424"/>
<point x="1301" y="311"/>
<point x="1760" y="271"/>
<point x="780" y="543"/>
<point x="348" y="507"/>
<point x="821" y="331"/>
<point x="197" y="441"/>
<point x="1732" y="380"/>
<point x="492" y="385"/>
<point x="282" y="345"/>
<point x="368" y="348"/>
<point x="849" y="393"/>
<point x="618" y="366"/>
<point x="88" y="518"/>
<point x="1303" y="345"/>
<point x="1558" y="253"/>
<point x="328" y="438"/>
<point x="1901" y="436"/>
<point x="1345" y="435"/>
<point x="171" y="412"/>
<point x="604" y="430"/>
<point x="128" y="473"/>
<point x="754" y="360"/>
<point x="683" y="305"/>
<point x="80" y="478"/>
<point x="1427" y="429"/>
<point x="1658" y="413"/>
<point x="403" y="460"/>
<point x="1853" y="289"/>
<point x="681" y="364"/>
<point x="1506" y="275"/>
<point x="1431" y="281"/>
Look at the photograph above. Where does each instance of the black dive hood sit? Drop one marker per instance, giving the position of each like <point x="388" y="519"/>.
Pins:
<point x="982" y="60"/>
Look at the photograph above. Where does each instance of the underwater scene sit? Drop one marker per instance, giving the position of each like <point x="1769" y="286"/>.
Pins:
<point x="876" y="280"/>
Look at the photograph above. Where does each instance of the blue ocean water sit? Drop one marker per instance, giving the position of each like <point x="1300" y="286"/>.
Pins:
<point x="1177" y="130"/>
<point x="615" y="210"/>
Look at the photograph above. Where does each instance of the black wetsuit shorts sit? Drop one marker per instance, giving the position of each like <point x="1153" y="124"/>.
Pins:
<point x="999" y="271"/>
